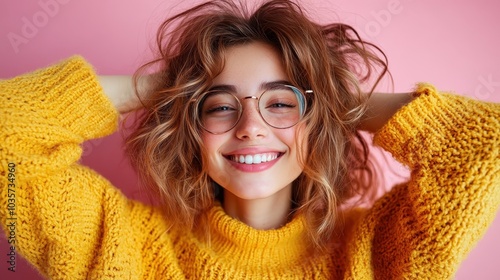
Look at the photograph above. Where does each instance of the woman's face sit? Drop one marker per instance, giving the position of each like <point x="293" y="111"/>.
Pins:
<point x="247" y="69"/>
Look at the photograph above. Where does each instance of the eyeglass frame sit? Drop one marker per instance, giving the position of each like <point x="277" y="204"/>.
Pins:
<point x="198" y="102"/>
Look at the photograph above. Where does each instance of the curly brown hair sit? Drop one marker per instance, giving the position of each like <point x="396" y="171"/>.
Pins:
<point x="332" y="60"/>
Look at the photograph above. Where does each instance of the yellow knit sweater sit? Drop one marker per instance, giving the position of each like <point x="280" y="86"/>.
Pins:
<point x="72" y="224"/>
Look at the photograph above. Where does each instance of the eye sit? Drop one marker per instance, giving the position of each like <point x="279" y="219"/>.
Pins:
<point x="279" y="99"/>
<point x="219" y="108"/>
<point x="281" y="105"/>
<point x="219" y="102"/>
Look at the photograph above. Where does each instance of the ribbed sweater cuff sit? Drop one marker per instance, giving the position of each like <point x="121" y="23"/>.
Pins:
<point x="423" y="124"/>
<point x="74" y="97"/>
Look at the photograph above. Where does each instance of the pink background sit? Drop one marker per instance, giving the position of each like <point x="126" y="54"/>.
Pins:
<point x="453" y="44"/>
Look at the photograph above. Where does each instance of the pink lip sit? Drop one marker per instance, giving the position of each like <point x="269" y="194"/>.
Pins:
<point x="252" y="150"/>
<point x="253" y="167"/>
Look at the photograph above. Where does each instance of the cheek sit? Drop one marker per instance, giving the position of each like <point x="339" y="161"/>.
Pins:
<point x="296" y="141"/>
<point x="212" y="159"/>
<point x="209" y="144"/>
<point x="300" y="143"/>
<point x="212" y="144"/>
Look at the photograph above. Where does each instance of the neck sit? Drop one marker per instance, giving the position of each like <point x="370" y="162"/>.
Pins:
<point x="265" y="213"/>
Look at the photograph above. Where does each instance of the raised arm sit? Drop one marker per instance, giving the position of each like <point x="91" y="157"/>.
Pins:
<point x="425" y="227"/>
<point x="381" y="107"/>
<point x="121" y="91"/>
<point x="66" y="216"/>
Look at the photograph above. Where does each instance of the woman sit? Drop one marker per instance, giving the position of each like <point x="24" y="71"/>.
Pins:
<point x="248" y="135"/>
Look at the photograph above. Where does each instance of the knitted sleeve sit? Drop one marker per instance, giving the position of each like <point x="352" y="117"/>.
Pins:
<point x="424" y="229"/>
<point x="60" y="216"/>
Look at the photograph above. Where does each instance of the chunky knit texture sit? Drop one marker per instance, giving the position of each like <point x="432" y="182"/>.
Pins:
<point x="72" y="224"/>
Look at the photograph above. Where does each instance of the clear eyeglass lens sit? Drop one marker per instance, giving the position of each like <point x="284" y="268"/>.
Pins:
<point x="219" y="111"/>
<point x="280" y="107"/>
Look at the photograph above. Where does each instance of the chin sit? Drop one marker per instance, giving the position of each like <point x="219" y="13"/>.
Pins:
<point x="248" y="192"/>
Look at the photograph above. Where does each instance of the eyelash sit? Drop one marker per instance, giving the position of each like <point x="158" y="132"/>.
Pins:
<point x="281" y="104"/>
<point x="219" y="109"/>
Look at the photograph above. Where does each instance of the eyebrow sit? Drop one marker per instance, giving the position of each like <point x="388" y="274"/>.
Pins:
<point x="263" y="86"/>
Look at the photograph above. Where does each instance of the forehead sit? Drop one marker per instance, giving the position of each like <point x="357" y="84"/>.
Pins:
<point x="248" y="66"/>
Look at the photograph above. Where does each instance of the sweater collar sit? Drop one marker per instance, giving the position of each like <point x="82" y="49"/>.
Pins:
<point x="231" y="237"/>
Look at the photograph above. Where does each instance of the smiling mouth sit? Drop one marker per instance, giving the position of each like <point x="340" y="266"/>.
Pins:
<point x="254" y="159"/>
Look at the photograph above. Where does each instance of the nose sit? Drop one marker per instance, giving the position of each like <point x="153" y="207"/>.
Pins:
<point x="251" y="125"/>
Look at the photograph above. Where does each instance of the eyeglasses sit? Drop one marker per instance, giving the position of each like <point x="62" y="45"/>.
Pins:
<point x="281" y="106"/>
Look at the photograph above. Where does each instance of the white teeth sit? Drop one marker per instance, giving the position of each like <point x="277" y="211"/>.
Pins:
<point x="248" y="159"/>
<point x="257" y="159"/>
<point x="254" y="159"/>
